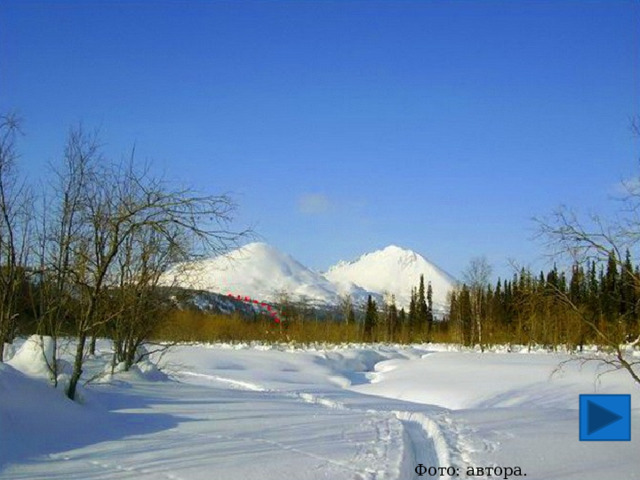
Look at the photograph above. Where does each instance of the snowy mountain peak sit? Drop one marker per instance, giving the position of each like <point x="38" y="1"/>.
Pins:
<point x="394" y="252"/>
<point x="394" y="271"/>
<point x="391" y="254"/>
<point x="395" y="249"/>
<point x="402" y="255"/>
<point x="259" y="248"/>
<point x="264" y="255"/>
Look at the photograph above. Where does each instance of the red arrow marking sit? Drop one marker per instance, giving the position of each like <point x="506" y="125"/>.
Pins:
<point x="273" y="313"/>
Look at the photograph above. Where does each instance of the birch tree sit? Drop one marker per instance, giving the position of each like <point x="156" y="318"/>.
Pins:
<point x="477" y="277"/>
<point x="14" y="231"/>
<point x="121" y="228"/>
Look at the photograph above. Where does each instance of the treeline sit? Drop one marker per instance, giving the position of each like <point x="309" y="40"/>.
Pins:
<point x="304" y="323"/>
<point x="594" y="303"/>
<point x="85" y="256"/>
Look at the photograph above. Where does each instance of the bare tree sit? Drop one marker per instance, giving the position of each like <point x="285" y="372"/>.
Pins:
<point x="477" y="277"/>
<point x="138" y="301"/>
<point x="120" y="228"/>
<point x="346" y="308"/>
<point x="61" y="235"/>
<point x="14" y="231"/>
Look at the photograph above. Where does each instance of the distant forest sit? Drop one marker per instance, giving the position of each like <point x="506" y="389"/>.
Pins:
<point x="593" y="304"/>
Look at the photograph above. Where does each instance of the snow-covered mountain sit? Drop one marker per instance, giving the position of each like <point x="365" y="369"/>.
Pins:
<point x="262" y="272"/>
<point x="394" y="270"/>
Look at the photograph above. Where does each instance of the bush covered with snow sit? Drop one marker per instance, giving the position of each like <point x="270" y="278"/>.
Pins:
<point x="36" y="356"/>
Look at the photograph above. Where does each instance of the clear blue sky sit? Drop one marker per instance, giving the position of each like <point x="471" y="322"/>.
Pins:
<point x="342" y="127"/>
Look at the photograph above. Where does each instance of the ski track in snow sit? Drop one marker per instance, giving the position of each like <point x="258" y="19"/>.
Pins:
<point x="426" y="440"/>
<point x="237" y="384"/>
<point x="373" y="453"/>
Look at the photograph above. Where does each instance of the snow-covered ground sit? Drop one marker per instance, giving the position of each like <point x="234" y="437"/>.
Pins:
<point x="270" y="412"/>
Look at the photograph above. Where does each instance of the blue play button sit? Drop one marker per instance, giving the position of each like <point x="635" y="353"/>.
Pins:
<point x="599" y="417"/>
<point x="605" y="417"/>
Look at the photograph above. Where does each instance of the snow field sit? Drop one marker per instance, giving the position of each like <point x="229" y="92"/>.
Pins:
<point x="270" y="412"/>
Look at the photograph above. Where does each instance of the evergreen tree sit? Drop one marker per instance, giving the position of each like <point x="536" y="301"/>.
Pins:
<point x="465" y="315"/>
<point x="429" y="309"/>
<point x="508" y="306"/>
<point x="402" y="320"/>
<point x="552" y="283"/>
<point x="593" y="286"/>
<point x="498" y="307"/>
<point x="370" y="319"/>
<point x="413" y="316"/>
<point x="351" y="316"/>
<point x="562" y="283"/>
<point x="611" y="288"/>
<point x="392" y="320"/>
<point x="422" y="311"/>
<point x="627" y="289"/>
<point x="453" y="306"/>
<point x="577" y="287"/>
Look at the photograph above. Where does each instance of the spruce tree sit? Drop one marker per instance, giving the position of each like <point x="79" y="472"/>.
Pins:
<point x="611" y="288"/>
<point x="593" y="286"/>
<point x="499" y="303"/>
<point x="577" y="288"/>
<point x="562" y="283"/>
<point x="422" y="311"/>
<point x="370" y="319"/>
<point x="351" y="317"/>
<point x="392" y="320"/>
<point x="553" y="282"/>
<point x="412" y="317"/>
<point x="402" y="321"/>
<point x="429" y="309"/>
<point x="465" y="315"/>
<point x="627" y="288"/>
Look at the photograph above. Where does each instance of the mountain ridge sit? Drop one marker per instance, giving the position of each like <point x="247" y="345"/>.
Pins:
<point x="262" y="271"/>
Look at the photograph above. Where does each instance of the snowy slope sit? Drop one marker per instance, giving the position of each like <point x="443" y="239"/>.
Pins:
<point x="394" y="270"/>
<point x="262" y="272"/>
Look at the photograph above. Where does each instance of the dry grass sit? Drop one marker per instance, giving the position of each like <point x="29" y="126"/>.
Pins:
<point x="198" y="326"/>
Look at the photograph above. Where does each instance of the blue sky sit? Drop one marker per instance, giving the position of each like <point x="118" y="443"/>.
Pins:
<point x="342" y="127"/>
